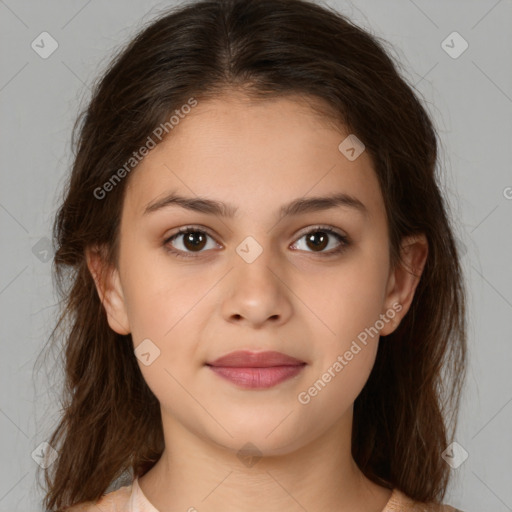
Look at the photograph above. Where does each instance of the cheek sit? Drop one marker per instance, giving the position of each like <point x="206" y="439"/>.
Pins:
<point x="345" y="352"/>
<point x="349" y="303"/>
<point x="159" y="297"/>
<point x="350" y="297"/>
<point x="333" y="391"/>
<point x="165" y="307"/>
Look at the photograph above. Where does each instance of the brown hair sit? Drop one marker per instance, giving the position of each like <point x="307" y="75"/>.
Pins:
<point x="111" y="420"/>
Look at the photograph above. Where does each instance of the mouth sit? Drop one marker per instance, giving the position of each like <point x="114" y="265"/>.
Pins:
<point x="256" y="370"/>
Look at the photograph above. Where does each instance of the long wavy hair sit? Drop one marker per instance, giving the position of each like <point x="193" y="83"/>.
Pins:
<point x="406" y="414"/>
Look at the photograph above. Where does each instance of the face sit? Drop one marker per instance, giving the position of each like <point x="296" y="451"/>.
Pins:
<point x="314" y="284"/>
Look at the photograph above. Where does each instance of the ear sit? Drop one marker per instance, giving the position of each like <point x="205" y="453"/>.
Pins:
<point x="108" y="286"/>
<point x="404" y="278"/>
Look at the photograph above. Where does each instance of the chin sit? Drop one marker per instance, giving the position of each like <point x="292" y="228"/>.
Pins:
<point x="260" y="440"/>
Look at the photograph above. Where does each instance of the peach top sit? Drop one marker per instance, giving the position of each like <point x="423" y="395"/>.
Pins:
<point x="130" y="498"/>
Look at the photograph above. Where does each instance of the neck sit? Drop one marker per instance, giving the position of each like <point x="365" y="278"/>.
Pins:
<point x="197" y="474"/>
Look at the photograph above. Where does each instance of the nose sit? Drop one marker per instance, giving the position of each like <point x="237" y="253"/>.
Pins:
<point x="255" y="293"/>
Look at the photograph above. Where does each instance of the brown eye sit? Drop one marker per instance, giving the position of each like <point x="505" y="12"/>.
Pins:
<point x="193" y="240"/>
<point x="187" y="240"/>
<point x="320" y="238"/>
<point x="317" y="240"/>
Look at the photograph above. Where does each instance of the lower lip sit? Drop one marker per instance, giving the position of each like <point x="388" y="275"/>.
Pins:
<point x="257" y="378"/>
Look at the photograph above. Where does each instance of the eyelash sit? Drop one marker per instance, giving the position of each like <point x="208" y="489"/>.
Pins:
<point x="344" y="241"/>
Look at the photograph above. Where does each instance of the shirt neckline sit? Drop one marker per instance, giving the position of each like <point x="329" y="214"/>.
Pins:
<point x="140" y="503"/>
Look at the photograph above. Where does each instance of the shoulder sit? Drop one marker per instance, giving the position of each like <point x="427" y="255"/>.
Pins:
<point x="400" y="502"/>
<point x="115" y="501"/>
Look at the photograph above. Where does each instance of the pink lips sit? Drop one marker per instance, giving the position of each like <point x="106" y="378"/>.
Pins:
<point x="255" y="370"/>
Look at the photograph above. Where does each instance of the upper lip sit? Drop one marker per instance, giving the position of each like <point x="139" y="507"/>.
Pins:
<point x="248" y="359"/>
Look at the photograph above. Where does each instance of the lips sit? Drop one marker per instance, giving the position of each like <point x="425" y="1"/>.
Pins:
<point x="256" y="370"/>
<point x="247" y="359"/>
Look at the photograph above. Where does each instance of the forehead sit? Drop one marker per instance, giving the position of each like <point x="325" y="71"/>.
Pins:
<point x="256" y="155"/>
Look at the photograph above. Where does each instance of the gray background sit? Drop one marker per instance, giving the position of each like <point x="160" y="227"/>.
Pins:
<point x="470" y="98"/>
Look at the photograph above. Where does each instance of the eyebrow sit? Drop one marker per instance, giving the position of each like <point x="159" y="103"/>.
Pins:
<point x="296" y="207"/>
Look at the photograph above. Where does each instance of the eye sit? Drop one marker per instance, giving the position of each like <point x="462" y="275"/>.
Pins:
<point x="318" y="239"/>
<point x="193" y="240"/>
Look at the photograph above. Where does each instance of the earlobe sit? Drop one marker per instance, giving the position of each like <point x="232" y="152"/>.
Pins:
<point x="404" y="279"/>
<point x="108" y="286"/>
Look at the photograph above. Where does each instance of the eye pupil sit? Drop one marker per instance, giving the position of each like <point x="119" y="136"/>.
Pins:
<point x="194" y="244"/>
<point x="318" y="234"/>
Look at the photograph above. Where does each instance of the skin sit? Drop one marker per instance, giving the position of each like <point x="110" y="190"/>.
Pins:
<point x="257" y="156"/>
